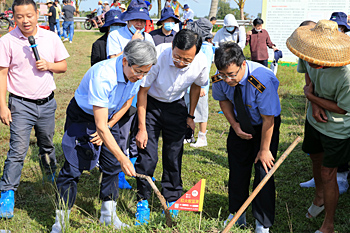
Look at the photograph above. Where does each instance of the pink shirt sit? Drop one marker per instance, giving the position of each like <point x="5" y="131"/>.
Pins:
<point x="23" y="78"/>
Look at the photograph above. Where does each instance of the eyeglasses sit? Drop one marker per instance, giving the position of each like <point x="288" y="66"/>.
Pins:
<point x="183" y="62"/>
<point x="229" y="76"/>
<point x="138" y="73"/>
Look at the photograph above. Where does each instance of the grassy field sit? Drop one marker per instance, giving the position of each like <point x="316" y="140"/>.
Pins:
<point x="34" y="209"/>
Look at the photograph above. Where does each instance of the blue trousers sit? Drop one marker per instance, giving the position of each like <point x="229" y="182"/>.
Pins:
<point x="25" y="116"/>
<point x="68" y="25"/>
<point x="57" y="26"/>
<point x="68" y="177"/>
<point x="170" y="119"/>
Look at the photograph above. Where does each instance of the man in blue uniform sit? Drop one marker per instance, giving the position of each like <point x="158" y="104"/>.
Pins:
<point x="247" y="93"/>
<point x="102" y="98"/>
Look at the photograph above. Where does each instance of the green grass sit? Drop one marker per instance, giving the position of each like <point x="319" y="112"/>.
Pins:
<point x="35" y="208"/>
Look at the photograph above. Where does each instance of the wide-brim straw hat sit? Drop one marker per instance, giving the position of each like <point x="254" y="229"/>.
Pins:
<point x="322" y="45"/>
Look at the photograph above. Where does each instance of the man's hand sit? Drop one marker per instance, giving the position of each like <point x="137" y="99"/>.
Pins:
<point x="191" y="123"/>
<point x="266" y="159"/>
<point x="43" y="65"/>
<point x="308" y="90"/>
<point x="96" y="140"/>
<point x="202" y="92"/>
<point x="141" y="139"/>
<point x="127" y="166"/>
<point x="5" y="115"/>
<point x="240" y="133"/>
<point x="318" y="113"/>
<point x="137" y="35"/>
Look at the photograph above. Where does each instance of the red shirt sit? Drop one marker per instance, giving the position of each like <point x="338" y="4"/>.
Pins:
<point x="258" y="42"/>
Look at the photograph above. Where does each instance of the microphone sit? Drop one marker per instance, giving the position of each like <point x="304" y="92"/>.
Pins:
<point x="33" y="46"/>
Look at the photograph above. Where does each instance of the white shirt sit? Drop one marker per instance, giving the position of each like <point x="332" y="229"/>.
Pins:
<point x="169" y="83"/>
<point x="223" y="35"/>
<point x="189" y="14"/>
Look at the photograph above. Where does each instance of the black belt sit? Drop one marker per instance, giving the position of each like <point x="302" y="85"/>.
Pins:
<point x="38" y="102"/>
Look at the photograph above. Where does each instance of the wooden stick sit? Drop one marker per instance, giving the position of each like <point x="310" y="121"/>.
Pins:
<point x="200" y="221"/>
<point x="169" y="222"/>
<point x="261" y="185"/>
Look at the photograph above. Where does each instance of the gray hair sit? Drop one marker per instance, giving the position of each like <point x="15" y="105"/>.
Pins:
<point x="140" y="52"/>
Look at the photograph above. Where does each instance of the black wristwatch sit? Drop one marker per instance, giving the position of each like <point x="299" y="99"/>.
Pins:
<point x="190" y="116"/>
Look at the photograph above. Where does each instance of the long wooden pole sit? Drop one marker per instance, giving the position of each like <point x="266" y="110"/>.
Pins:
<point x="261" y="185"/>
<point x="169" y="222"/>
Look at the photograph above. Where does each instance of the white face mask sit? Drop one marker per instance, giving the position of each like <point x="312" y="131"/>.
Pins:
<point x="258" y="30"/>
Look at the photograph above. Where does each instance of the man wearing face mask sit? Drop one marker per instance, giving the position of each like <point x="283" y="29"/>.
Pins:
<point x="136" y="16"/>
<point x="112" y="23"/>
<point x="259" y="40"/>
<point x="231" y="32"/>
<point x="165" y="34"/>
<point x="161" y="108"/>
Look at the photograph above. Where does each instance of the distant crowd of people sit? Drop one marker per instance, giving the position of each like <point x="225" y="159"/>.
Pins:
<point x="145" y="84"/>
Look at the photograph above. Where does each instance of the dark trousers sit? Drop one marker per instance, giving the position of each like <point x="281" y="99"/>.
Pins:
<point x="127" y="137"/>
<point x="241" y="157"/>
<point x="263" y="62"/>
<point x="68" y="177"/>
<point x="170" y="118"/>
<point x="52" y="26"/>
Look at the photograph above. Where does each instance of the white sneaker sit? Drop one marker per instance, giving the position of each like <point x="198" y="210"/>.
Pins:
<point x="201" y="141"/>
<point x="259" y="228"/>
<point x="70" y="41"/>
<point x="65" y="39"/>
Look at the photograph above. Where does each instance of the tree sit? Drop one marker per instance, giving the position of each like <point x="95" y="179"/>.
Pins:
<point x="224" y="9"/>
<point x="240" y="4"/>
<point x="213" y="8"/>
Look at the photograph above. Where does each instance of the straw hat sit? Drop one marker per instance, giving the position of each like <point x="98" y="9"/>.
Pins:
<point x="322" y="45"/>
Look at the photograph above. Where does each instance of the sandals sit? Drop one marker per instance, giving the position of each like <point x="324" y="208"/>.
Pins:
<point x="314" y="211"/>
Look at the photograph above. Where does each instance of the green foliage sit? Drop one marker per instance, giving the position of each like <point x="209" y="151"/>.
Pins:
<point x="224" y="9"/>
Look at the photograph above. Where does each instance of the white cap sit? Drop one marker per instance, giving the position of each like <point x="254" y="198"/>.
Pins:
<point x="230" y="20"/>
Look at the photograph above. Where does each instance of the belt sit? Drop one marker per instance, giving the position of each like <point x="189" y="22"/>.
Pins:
<point x="38" y="101"/>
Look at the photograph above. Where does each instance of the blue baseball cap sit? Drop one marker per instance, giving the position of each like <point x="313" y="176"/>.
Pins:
<point x="341" y="19"/>
<point x="136" y="10"/>
<point x="112" y="16"/>
<point x="186" y="6"/>
<point x="167" y="13"/>
<point x="77" y="148"/>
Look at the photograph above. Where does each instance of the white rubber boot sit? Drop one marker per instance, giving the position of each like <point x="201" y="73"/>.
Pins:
<point x="201" y="140"/>
<point x="62" y="220"/>
<point x="109" y="215"/>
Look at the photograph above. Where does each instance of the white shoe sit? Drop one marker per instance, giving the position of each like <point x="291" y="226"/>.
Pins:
<point x="65" y="39"/>
<point x="241" y="221"/>
<point x="259" y="228"/>
<point x="109" y="215"/>
<point x="61" y="221"/>
<point x="201" y="140"/>
<point x="70" y="41"/>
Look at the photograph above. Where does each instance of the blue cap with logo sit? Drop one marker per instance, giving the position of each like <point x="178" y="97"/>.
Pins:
<point x="136" y="10"/>
<point x="341" y="19"/>
<point x="167" y="13"/>
<point x="113" y="16"/>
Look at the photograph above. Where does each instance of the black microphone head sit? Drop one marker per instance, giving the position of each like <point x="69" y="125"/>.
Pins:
<point x="31" y="40"/>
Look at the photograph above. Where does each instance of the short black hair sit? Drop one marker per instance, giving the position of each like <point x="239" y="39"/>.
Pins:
<point x="212" y="18"/>
<point x="307" y="22"/>
<point x="228" y="53"/>
<point x="185" y="39"/>
<point x="23" y="2"/>
<point x="258" y="21"/>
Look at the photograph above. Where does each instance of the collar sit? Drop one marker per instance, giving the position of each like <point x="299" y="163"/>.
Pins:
<point x="119" y="69"/>
<point x="245" y="76"/>
<point x="171" y="34"/>
<point x="21" y="36"/>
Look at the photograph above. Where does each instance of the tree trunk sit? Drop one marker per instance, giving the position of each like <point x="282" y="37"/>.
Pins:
<point x="242" y="12"/>
<point x="159" y="8"/>
<point x="213" y="8"/>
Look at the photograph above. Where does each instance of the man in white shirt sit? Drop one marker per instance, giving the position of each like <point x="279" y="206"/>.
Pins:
<point x="161" y="107"/>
